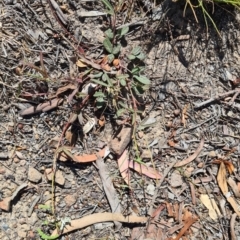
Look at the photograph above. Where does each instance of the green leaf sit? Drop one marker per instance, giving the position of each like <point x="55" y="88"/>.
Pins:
<point x="137" y="70"/>
<point x="105" y="77"/>
<point x="141" y="56"/>
<point x="124" y="105"/>
<point x="123" y="82"/>
<point x="99" y="82"/>
<point x="122" y="76"/>
<point x="44" y="206"/>
<point x="100" y="99"/>
<point x="108" y="45"/>
<point x="98" y="75"/>
<point x="120" y="112"/>
<point x="110" y="58"/>
<point x="136" y="51"/>
<point x="45" y="236"/>
<point x="116" y="49"/>
<point x="109" y="33"/>
<point x="131" y="57"/>
<point x="99" y="94"/>
<point x="124" y="31"/>
<point x="100" y="104"/>
<point x="142" y="79"/>
<point x="109" y="6"/>
<point x="139" y="160"/>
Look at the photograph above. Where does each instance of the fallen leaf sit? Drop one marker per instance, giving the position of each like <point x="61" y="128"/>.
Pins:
<point x="106" y="67"/>
<point x="142" y="169"/>
<point x="43" y="107"/>
<point x="234" y="187"/>
<point x="120" y="142"/>
<point x="5" y="204"/>
<point x="123" y="167"/>
<point x="97" y="218"/>
<point x="109" y="189"/>
<point x="192" y="157"/>
<point x="222" y="183"/>
<point x="80" y="64"/>
<point x="187" y="225"/>
<point x="91" y="157"/>
<point x="228" y="164"/>
<point x="211" y="205"/>
<point x="65" y="88"/>
<point x="89" y="125"/>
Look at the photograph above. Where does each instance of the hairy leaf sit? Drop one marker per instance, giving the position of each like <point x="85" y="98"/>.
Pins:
<point x="99" y="82"/>
<point x="109" y="6"/>
<point x="108" y="45"/>
<point x="124" y="31"/>
<point x="109" y="33"/>
<point x="142" y="79"/>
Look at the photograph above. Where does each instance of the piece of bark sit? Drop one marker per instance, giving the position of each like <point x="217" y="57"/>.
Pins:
<point x="119" y="143"/>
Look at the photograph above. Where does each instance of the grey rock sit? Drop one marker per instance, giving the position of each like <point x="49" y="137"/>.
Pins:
<point x="34" y="175"/>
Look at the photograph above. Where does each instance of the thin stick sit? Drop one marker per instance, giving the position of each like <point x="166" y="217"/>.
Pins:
<point x="159" y="185"/>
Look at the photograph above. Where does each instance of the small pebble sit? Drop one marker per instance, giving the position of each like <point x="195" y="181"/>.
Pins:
<point x="176" y="112"/>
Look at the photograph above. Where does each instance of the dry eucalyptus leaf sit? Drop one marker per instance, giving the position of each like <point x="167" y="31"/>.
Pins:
<point x="211" y="205"/>
<point x="89" y="125"/>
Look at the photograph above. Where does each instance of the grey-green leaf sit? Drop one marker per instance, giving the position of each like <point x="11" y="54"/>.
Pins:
<point x="142" y="79"/>
<point x="136" y="51"/>
<point x="123" y="82"/>
<point x="116" y="49"/>
<point x="131" y="57"/>
<point x="140" y="56"/>
<point x="99" y="82"/>
<point x="109" y="33"/>
<point x="124" y="31"/>
<point x="99" y="94"/>
<point x="120" y="112"/>
<point x="108" y="45"/>
<point x="109" y="6"/>
<point x="110" y="58"/>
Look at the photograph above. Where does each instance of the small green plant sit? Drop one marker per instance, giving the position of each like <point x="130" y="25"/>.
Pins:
<point x="202" y="5"/>
<point x="123" y="83"/>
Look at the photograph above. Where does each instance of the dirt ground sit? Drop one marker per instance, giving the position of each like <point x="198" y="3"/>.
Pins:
<point x="187" y="185"/>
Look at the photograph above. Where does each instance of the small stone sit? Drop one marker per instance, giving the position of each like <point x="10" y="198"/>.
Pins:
<point x="34" y="175"/>
<point x="176" y="112"/>
<point x="201" y="165"/>
<point x="140" y="134"/>
<point x="150" y="189"/>
<point x="2" y="171"/>
<point x="22" y="234"/>
<point x="33" y="219"/>
<point x="3" y="155"/>
<point x="22" y="162"/>
<point x="146" y="154"/>
<point x="176" y="179"/>
<point x="59" y="178"/>
<point x="70" y="200"/>
<point x="212" y="154"/>
<point x="16" y="160"/>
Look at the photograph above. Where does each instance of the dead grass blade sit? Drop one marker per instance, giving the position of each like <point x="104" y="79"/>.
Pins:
<point x="97" y="218"/>
<point x="192" y="157"/>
